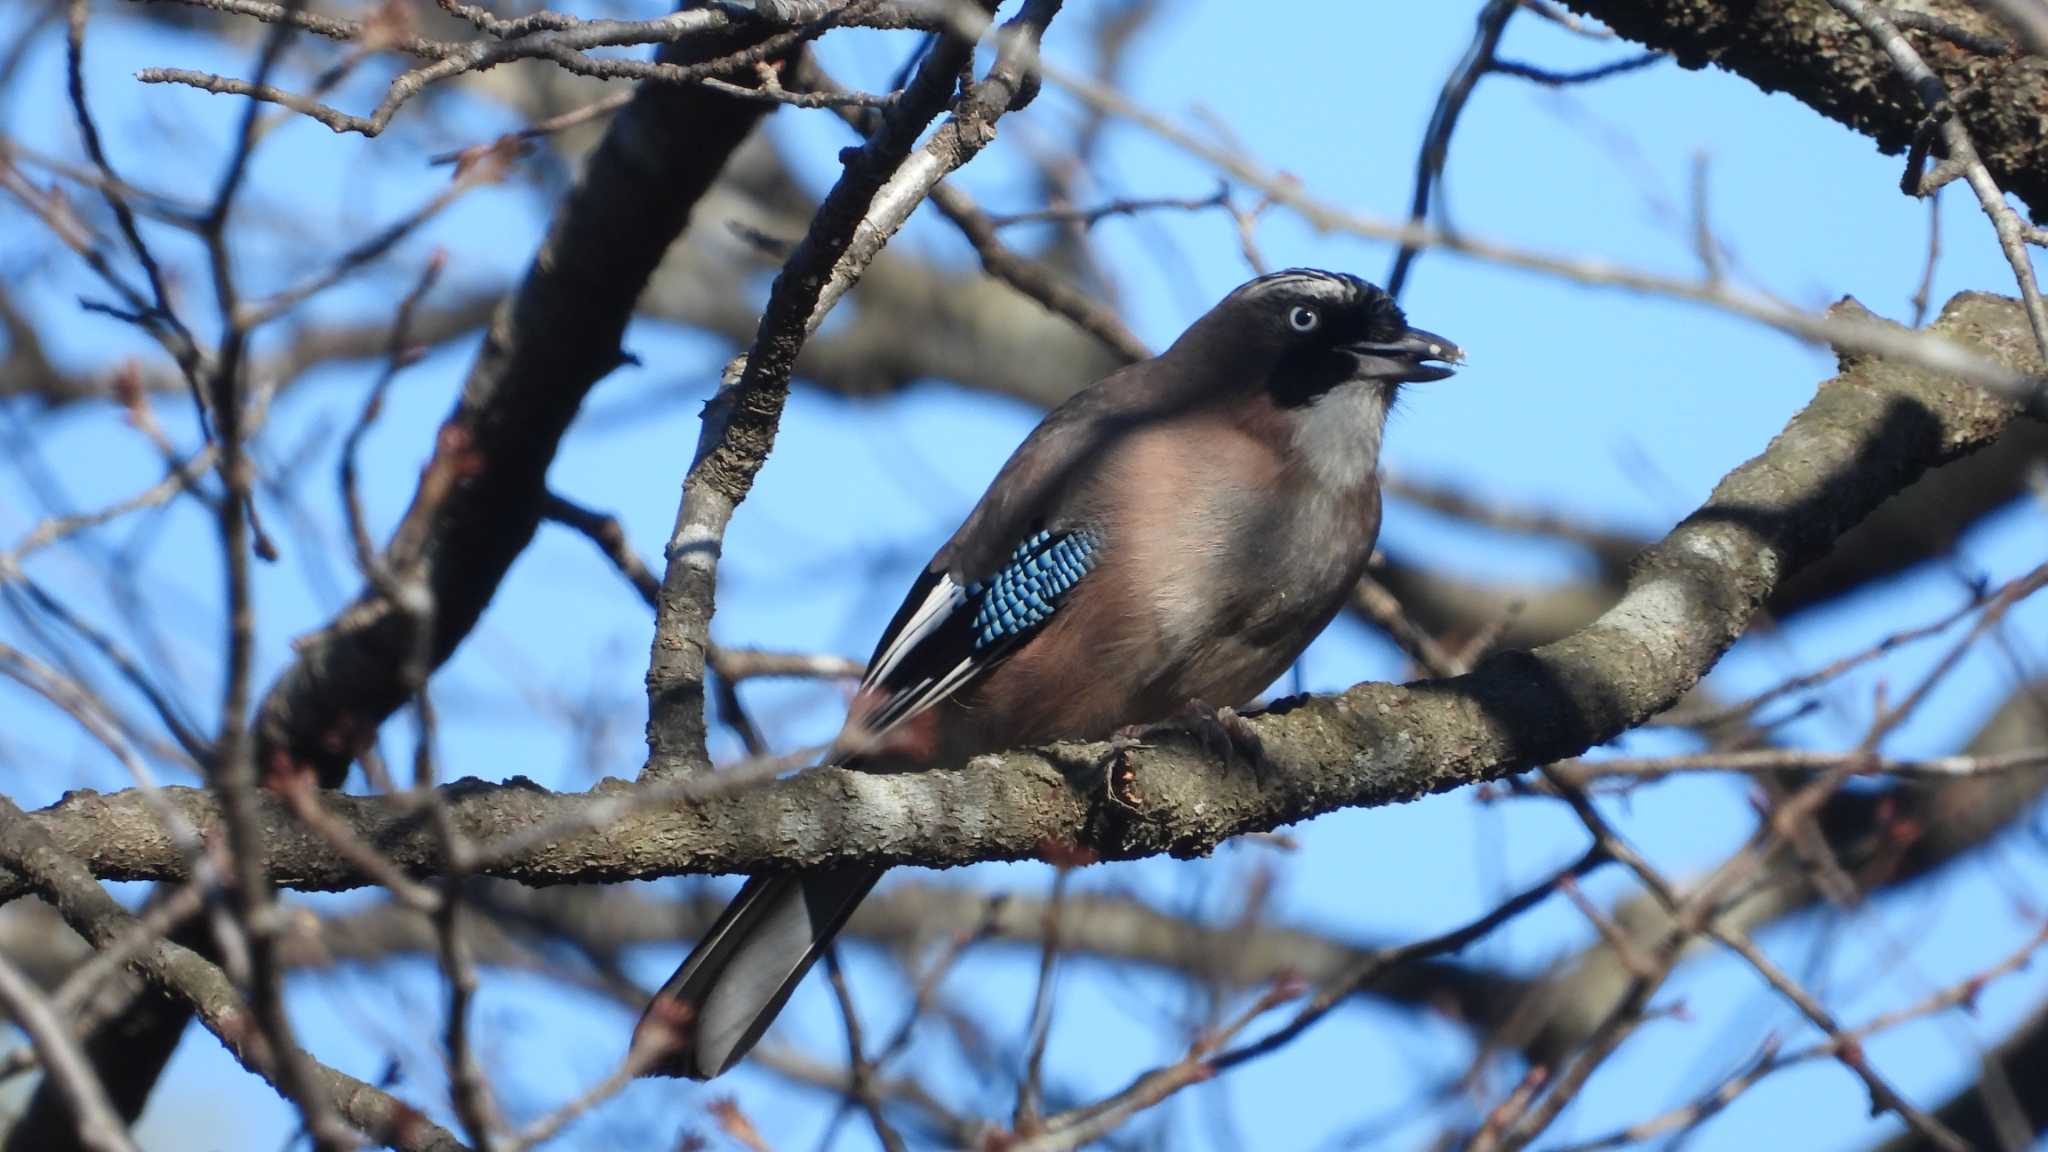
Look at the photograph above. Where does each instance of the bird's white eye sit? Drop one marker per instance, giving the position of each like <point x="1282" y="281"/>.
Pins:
<point x="1304" y="318"/>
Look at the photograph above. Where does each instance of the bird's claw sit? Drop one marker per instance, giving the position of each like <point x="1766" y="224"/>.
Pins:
<point x="1222" y="733"/>
<point x="1225" y="734"/>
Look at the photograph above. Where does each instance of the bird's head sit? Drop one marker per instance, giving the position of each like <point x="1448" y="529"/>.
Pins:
<point x="1328" y="351"/>
<point x="1302" y="334"/>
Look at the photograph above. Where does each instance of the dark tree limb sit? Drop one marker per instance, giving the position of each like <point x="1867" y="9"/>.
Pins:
<point x="482" y="493"/>
<point x="1807" y="49"/>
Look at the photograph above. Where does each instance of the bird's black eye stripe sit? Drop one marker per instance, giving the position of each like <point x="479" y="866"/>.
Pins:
<point x="1304" y="318"/>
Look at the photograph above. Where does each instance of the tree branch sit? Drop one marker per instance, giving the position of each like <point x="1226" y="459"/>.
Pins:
<point x="1807" y="49"/>
<point x="1869" y="431"/>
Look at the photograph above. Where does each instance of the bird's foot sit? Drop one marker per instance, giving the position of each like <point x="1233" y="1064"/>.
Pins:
<point x="1119" y="780"/>
<point x="1224" y="733"/>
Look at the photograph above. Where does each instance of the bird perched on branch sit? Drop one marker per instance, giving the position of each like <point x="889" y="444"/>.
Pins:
<point x="1177" y="532"/>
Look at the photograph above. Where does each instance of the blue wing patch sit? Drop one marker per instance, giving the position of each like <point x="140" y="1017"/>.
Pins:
<point x="946" y="635"/>
<point x="1023" y="594"/>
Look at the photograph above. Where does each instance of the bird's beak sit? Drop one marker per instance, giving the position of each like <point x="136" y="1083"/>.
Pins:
<point x="1416" y="357"/>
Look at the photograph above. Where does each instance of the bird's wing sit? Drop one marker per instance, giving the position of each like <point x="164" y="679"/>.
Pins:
<point x="947" y="633"/>
<point x="1020" y="553"/>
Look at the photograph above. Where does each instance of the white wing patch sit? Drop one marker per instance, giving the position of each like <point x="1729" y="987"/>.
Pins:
<point x="946" y="597"/>
<point x="921" y="695"/>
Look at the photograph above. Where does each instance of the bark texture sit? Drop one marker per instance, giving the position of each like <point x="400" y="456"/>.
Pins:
<point x="1807" y="49"/>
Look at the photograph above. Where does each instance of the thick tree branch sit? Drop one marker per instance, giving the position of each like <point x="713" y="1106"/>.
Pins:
<point x="1807" y="49"/>
<point x="1921" y="523"/>
<point x="1869" y="431"/>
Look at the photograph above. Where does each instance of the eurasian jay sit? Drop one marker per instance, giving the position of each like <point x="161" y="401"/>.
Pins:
<point x="1177" y="532"/>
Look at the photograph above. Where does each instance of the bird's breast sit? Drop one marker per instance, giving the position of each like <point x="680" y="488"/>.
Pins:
<point x="1234" y="559"/>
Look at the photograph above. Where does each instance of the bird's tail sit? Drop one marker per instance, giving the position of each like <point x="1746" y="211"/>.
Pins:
<point x="739" y="975"/>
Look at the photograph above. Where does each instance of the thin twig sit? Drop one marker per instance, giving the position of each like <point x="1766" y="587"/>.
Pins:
<point x="1768" y="760"/>
<point x="1089" y="217"/>
<point x="564" y="44"/>
<point x="537" y="130"/>
<point x="1553" y="78"/>
<point x="1033" y="278"/>
<point x="1846" y="332"/>
<point x="1962" y="154"/>
<point x="160" y="319"/>
<point x="1443" y="121"/>
<point x="1030" y="1088"/>
<point x="861" y="1069"/>
<point x="1923" y="295"/>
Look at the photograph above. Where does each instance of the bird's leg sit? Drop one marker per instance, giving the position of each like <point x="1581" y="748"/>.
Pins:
<point x="1223" y="732"/>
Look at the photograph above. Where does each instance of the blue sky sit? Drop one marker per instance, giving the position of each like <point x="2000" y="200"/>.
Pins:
<point x="1619" y="410"/>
